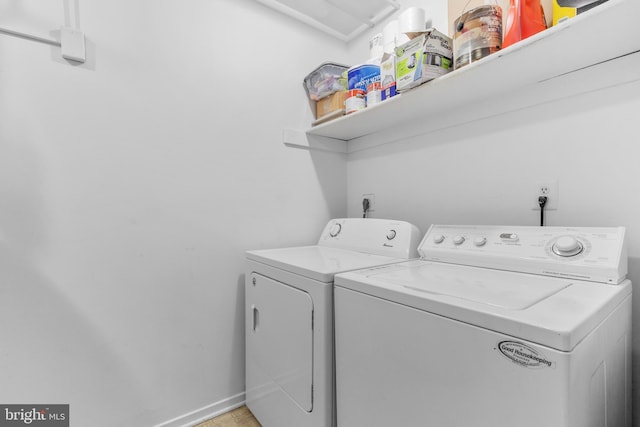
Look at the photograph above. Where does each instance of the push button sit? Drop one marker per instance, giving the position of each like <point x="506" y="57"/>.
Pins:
<point x="511" y="237"/>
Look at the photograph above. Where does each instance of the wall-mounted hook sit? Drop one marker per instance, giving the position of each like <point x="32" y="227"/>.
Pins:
<point x="72" y="44"/>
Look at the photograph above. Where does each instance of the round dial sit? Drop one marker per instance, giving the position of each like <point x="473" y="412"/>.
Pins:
<point x="391" y="234"/>
<point x="438" y="238"/>
<point x="458" y="240"/>
<point x="480" y="241"/>
<point x="567" y="246"/>
<point x="335" y="230"/>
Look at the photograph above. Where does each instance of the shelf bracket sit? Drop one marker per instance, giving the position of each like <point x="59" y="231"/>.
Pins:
<point x="300" y="139"/>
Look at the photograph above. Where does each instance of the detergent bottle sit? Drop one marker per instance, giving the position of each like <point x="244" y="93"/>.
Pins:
<point x="524" y="19"/>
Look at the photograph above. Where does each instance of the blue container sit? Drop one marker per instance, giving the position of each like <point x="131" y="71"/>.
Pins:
<point x="361" y="76"/>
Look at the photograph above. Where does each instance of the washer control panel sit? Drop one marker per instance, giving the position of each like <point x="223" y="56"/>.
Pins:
<point x="587" y="253"/>
<point x="397" y="239"/>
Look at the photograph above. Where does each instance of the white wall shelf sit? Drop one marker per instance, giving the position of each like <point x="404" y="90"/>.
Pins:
<point x="595" y="50"/>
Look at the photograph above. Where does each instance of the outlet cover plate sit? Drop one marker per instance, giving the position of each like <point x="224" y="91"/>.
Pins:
<point x="545" y="188"/>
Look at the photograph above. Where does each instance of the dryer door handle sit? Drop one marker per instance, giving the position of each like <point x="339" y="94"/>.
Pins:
<point x="256" y="317"/>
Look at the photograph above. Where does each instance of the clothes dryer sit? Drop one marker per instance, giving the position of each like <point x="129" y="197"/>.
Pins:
<point x="493" y="326"/>
<point x="289" y="316"/>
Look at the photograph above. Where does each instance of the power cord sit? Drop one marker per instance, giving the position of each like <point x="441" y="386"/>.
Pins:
<point x="365" y="207"/>
<point x="542" y="201"/>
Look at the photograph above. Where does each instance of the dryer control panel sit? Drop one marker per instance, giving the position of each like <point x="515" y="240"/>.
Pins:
<point x="586" y="253"/>
<point x="396" y="239"/>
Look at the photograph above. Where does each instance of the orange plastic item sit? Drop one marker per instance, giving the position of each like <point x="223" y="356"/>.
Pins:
<point x="531" y="18"/>
<point x="524" y="19"/>
<point x="513" y="31"/>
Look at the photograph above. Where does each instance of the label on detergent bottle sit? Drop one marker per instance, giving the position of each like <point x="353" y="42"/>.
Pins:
<point x="388" y="77"/>
<point x="355" y="101"/>
<point x="374" y="94"/>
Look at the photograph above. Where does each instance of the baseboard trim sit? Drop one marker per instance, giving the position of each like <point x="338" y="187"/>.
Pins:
<point x="205" y="413"/>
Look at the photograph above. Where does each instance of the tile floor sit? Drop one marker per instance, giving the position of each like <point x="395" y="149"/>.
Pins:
<point x="240" y="417"/>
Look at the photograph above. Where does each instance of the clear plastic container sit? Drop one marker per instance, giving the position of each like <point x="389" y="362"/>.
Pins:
<point x="326" y="79"/>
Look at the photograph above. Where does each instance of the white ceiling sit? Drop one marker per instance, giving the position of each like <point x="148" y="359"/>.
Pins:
<point x="344" y="19"/>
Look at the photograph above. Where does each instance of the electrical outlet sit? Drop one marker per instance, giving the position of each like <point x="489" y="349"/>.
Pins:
<point x="372" y="201"/>
<point x="548" y="189"/>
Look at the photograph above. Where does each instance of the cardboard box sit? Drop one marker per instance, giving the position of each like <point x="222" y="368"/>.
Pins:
<point x="424" y="58"/>
<point x="329" y="104"/>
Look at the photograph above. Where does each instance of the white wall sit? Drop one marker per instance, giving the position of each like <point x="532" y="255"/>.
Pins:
<point x="485" y="172"/>
<point x="131" y="187"/>
<point x="132" y="184"/>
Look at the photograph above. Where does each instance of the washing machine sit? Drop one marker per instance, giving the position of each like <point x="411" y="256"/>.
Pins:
<point x="492" y="326"/>
<point x="289" y="316"/>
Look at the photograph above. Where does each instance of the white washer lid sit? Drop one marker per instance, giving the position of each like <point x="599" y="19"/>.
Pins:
<point x="319" y="263"/>
<point x="554" y="312"/>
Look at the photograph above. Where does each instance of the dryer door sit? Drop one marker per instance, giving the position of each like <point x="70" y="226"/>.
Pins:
<point x="280" y="338"/>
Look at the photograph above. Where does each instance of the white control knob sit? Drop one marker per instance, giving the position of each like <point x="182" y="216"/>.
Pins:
<point x="438" y="238"/>
<point x="567" y="246"/>
<point x="391" y="234"/>
<point x="480" y="241"/>
<point x="335" y="230"/>
<point x="458" y="240"/>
